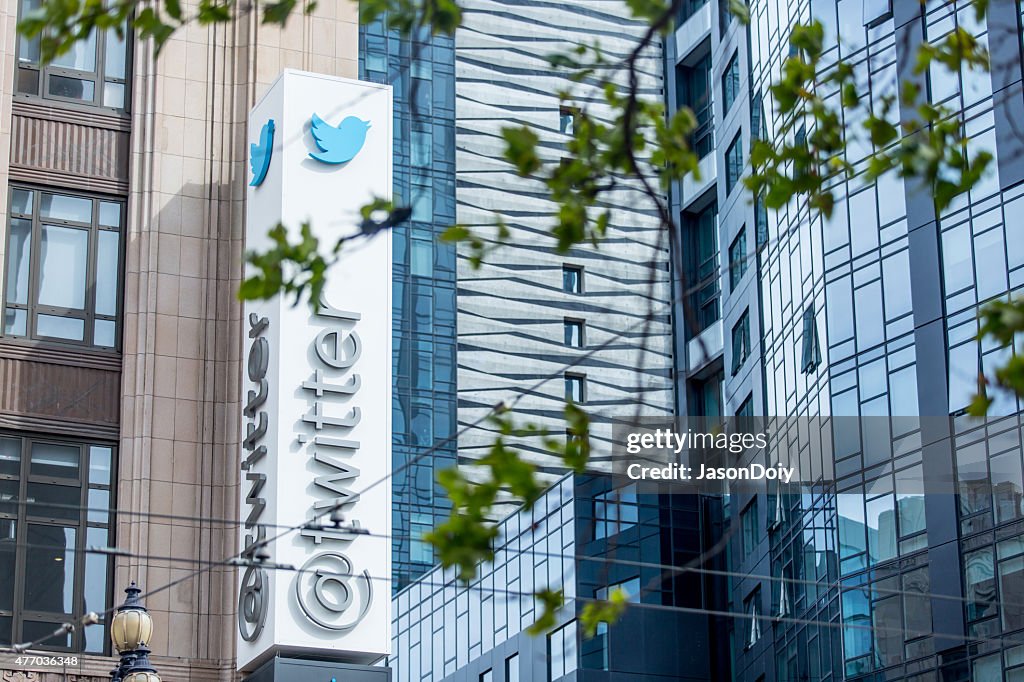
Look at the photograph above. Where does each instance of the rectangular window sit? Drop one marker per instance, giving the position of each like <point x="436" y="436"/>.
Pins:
<point x="694" y="86"/>
<point x="760" y="221"/>
<point x="615" y="511"/>
<point x="572" y="279"/>
<point x="737" y="258"/>
<point x="562" y="651"/>
<point x="93" y="72"/>
<point x="594" y="651"/>
<point x="421" y="147"/>
<point x="567" y="117"/>
<point x="63" y="268"/>
<point x="707" y="396"/>
<point x="420" y="551"/>
<point x="574" y="333"/>
<point x="752" y="627"/>
<point x="730" y="84"/>
<point x="811" y="348"/>
<point x="487" y="676"/>
<point x="512" y="668"/>
<point x="575" y="388"/>
<point x="750" y="528"/>
<point x="686" y="9"/>
<point x="703" y="240"/>
<point x="740" y="341"/>
<point x="733" y="163"/>
<point x="746" y="408"/>
<point x="65" y="489"/>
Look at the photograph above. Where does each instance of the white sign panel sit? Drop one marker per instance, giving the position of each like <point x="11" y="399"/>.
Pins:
<point x="316" y="385"/>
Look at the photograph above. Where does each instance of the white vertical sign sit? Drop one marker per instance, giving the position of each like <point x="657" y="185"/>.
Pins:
<point x="316" y="385"/>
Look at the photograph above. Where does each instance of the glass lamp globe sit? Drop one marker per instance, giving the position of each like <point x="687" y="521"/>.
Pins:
<point x="132" y="626"/>
<point x="142" y="676"/>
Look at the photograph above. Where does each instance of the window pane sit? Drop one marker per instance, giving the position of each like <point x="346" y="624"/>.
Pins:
<point x="18" y="260"/>
<point x="420" y="153"/>
<point x="63" y="262"/>
<point x="99" y="465"/>
<point x="32" y="630"/>
<point x="14" y="322"/>
<point x="49" y="501"/>
<point x="7" y="563"/>
<point x="104" y="333"/>
<point x="70" y="328"/>
<point x="50" y="560"/>
<point x="72" y="88"/>
<point x="64" y="207"/>
<point x="110" y="214"/>
<point x="512" y="668"/>
<point x="95" y="571"/>
<point x="22" y="201"/>
<point x="10" y="456"/>
<point x="99" y="502"/>
<point x="113" y="95"/>
<point x="81" y="56"/>
<point x="28" y="49"/>
<point x="28" y="81"/>
<point x="421" y="257"/>
<point x="114" y="59"/>
<point x="51" y="459"/>
<point x="106" y="272"/>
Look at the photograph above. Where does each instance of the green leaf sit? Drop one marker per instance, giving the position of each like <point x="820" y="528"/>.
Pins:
<point x="550" y="601"/>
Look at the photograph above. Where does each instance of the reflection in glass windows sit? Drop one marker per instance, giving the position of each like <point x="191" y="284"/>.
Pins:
<point x="733" y="163"/>
<point x="694" y="86"/>
<point x="55" y="501"/>
<point x="702" y="231"/>
<point x="615" y="511"/>
<point x="573" y="333"/>
<point x="730" y="84"/>
<point x="737" y="258"/>
<point x="572" y="279"/>
<point x="63" y="269"/>
<point x="740" y="341"/>
<point x="562" y="658"/>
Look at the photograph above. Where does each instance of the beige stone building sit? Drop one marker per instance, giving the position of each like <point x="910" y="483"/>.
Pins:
<point x="122" y="182"/>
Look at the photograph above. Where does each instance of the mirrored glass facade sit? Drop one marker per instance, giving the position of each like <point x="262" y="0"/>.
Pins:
<point x="872" y="313"/>
<point x="422" y="75"/>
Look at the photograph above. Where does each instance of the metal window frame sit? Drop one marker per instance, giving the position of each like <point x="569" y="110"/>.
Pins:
<point x="33" y="308"/>
<point x="23" y="518"/>
<point x="98" y="77"/>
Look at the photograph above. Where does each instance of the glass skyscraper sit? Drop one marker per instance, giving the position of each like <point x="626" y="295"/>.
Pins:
<point x="422" y="75"/>
<point x="868" y="321"/>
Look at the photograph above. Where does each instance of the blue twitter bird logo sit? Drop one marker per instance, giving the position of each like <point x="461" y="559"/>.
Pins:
<point x="259" y="154"/>
<point x="341" y="144"/>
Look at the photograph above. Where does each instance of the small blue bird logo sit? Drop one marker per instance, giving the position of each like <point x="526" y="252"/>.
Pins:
<point x="259" y="154"/>
<point x="341" y="144"/>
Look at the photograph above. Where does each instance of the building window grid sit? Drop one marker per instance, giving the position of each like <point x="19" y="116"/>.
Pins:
<point x="33" y="507"/>
<point x="96" y="245"/>
<point x="95" y="72"/>
<point x="703" y="237"/>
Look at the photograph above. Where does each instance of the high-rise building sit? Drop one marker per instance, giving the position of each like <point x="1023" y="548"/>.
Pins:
<point x="421" y="73"/>
<point x="529" y="311"/>
<point x="862" y="320"/>
<point x="122" y="180"/>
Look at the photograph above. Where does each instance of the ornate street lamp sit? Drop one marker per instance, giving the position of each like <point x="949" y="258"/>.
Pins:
<point x="130" y="629"/>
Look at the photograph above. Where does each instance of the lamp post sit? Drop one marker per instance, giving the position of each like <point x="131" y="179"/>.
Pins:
<point x="130" y="629"/>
